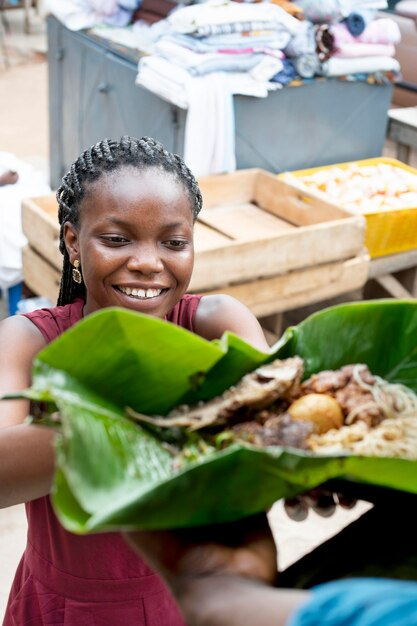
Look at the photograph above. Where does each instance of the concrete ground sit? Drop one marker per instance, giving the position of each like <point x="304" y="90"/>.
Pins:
<point x="24" y="131"/>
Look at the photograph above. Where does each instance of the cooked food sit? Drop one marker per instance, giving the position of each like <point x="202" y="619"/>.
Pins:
<point x="254" y="392"/>
<point x="322" y="410"/>
<point x="347" y="410"/>
<point x="361" y="395"/>
<point x="362" y="188"/>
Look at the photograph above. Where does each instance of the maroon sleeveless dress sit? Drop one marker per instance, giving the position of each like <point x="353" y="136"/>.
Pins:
<point x="65" y="579"/>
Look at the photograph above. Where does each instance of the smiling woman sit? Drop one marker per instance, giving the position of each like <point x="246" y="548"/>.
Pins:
<point x="137" y="233"/>
<point x="126" y="211"/>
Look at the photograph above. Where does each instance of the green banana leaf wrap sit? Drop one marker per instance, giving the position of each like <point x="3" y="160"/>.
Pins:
<point x="112" y="474"/>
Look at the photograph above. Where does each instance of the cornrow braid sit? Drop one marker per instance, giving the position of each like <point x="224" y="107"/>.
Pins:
<point x="106" y="156"/>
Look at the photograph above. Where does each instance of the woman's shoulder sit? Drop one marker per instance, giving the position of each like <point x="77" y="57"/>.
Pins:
<point x="219" y="309"/>
<point x="52" y="321"/>
<point x="219" y="313"/>
<point x="19" y="338"/>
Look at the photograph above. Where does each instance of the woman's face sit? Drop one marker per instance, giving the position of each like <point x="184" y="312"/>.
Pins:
<point x="134" y="241"/>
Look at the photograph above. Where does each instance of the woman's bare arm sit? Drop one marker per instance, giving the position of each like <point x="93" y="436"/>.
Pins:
<point x="26" y="452"/>
<point x="216" y="314"/>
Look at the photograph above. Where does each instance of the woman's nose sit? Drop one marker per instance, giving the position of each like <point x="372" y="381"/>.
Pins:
<point x="145" y="259"/>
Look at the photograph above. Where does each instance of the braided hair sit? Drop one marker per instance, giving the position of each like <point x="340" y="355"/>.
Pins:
<point x="107" y="156"/>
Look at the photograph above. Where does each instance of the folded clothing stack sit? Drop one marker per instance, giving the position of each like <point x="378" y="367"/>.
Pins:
<point x="345" y="38"/>
<point x="80" y="14"/>
<point x="210" y="52"/>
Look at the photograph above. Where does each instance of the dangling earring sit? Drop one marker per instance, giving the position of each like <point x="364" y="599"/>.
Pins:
<point x="76" y="274"/>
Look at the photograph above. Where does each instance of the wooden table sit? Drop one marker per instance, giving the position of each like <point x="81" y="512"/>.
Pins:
<point x="402" y="128"/>
<point x="396" y="273"/>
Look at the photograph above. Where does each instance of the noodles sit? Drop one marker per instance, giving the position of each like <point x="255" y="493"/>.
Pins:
<point x="394" y="400"/>
<point x="393" y="437"/>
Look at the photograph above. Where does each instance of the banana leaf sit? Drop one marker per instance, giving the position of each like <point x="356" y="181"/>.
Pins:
<point x="113" y="474"/>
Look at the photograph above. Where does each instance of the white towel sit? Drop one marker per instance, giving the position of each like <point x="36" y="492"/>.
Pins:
<point x="80" y="14"/>
<point x="188" y="19"/>
<point x="359" y="65"/>
<point x="209" y="146"/>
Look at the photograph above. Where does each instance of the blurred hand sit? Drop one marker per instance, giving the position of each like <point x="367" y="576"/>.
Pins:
<point x="221" y="575"/>
<point x="244" y="548"/>
<point x="320" y="500"/>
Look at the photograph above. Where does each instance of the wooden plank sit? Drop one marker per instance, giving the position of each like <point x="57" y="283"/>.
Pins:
<point x="264" y="245"/>
<point x="404" y="115"/>
<point x="393" y="286"/>
<point x="234" y="188"/>
<point x="300" y="288"/>
<point x="245" y="222"/>
<point x="48" y="204"/>
<point x="403" y="134"/>
<point x="293" y="204"/>
<point x="273" y="324"/>
<point x="392" y="263"/>
<point x="307" y="246"/>
<point x="39" y="275"/>
<point x="264" y="297"/>
<point x="40" y="225"/>
<point x="402" y="129"/>
<point x="206" y="238"/>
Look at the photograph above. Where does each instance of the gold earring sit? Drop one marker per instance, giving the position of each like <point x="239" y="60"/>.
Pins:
<point x="76" y="274"/>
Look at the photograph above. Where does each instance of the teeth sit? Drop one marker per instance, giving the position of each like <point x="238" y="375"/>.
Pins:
<point x="141" y="293"/>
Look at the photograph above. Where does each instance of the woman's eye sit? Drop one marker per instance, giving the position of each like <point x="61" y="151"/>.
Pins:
<point x="177" y="243"/>
<point x="117" y="239"/>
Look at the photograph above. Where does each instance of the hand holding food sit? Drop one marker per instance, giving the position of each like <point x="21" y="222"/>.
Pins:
<point x="237" y="451"/>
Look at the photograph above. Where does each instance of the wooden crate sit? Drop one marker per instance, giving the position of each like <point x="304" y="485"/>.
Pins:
<point x="255" y="226"/>
<point x="265" y="296"/>
<point x="388" y="230"/>
<point x="257" y="238"/>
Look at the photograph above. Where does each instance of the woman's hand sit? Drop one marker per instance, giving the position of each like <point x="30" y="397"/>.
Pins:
<point x="244" y="548"/>
<point x="320" y="500"/>
<point x="221" y="575"/>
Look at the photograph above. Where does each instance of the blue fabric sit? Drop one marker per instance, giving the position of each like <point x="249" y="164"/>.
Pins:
<point x="360" y="602"/>
<point x="287" y="74"/>
<point x="14" y="294"/>
<point x="357" y="21"/>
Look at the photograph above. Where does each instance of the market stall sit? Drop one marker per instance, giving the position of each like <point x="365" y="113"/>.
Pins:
<point x="330" y="108"/>
<point x="326" y="101"/>
<point x="384" y="191"/>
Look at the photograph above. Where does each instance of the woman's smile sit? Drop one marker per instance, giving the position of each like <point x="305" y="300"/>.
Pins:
<point x="141" y="293"/>
<point x="148" y="296"/>
<point x="136" y="231"/>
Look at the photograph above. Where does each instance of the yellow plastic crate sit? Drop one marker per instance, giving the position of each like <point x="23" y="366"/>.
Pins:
<point x="388" y="231"/>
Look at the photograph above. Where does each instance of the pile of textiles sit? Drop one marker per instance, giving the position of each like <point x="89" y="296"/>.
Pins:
<point x="208" y="53"/>
<point x="199" y="56"/>
<point x="80" y="14"/>
<point x="350" y="39"/>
